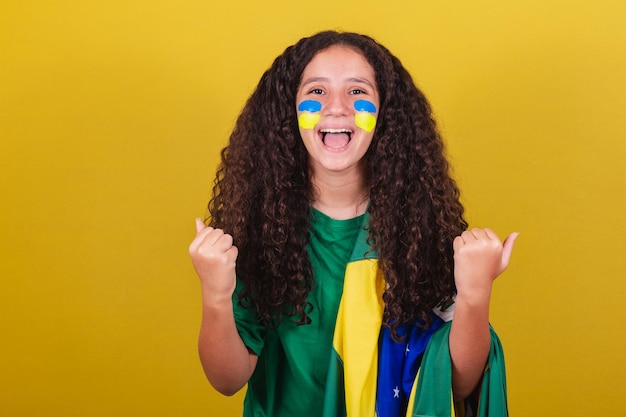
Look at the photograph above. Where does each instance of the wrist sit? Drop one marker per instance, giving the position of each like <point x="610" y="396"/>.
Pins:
<point x="473" y="299"/>
<point x="217" y="301"/>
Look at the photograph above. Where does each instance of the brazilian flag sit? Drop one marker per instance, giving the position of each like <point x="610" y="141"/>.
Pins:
<point x="372" y="375"/>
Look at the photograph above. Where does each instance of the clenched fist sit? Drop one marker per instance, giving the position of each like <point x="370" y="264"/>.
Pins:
<point x="214" y="257"/>
<point x="479" y="257"/>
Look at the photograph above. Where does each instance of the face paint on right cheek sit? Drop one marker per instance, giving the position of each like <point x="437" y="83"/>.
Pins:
<point x="365" y="118"/>
<point x="310" y="114"/>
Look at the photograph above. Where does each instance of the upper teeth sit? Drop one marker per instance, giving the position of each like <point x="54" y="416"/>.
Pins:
<point x="335" y="131"/>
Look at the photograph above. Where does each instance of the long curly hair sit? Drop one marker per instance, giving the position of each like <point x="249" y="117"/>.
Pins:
<point x="262" y="193"/>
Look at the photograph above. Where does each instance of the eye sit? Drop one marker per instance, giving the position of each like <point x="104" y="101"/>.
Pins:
<point x="316" y="91"/>
<point x="356" y="91"/>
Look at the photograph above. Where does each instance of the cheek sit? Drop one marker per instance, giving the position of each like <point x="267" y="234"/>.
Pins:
<point x="365" y="117"/>
<point x="365" y="121"/>
<point x="309" y="114"/>
<point x="308" y="120"/>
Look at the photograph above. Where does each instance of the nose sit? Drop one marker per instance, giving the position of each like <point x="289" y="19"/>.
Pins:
<point x="337" y="105"/>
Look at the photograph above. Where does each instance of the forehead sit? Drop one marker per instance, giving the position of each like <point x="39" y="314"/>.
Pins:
<point x="337" y="61"/>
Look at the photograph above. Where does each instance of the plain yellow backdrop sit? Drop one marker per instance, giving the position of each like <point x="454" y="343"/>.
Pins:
<point x="112" y="115"/>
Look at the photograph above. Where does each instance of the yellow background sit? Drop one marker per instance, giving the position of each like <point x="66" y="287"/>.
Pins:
<point x="112" y="115"/>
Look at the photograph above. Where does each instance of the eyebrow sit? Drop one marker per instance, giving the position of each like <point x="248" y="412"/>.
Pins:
<point x="325" y="79"/>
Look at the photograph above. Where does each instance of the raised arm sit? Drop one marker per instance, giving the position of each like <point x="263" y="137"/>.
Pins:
<point x="479" y="257"/>
<point x="226" y="361"/>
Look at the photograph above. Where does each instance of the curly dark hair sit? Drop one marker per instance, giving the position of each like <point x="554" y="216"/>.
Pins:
<point x="262" y="193"/>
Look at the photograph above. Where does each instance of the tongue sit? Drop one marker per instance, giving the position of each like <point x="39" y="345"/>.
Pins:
<point x="336" y="140"/>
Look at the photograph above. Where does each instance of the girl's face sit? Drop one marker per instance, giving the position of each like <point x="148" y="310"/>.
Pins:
<point x="337" y="105"/>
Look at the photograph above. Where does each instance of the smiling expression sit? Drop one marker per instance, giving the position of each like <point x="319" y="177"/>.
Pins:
<point x="337" y="104"/>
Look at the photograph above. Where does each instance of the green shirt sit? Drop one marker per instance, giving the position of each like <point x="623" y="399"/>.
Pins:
<point x="291" y="373"/>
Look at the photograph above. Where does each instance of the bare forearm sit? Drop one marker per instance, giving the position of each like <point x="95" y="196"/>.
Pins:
<point x="479" y="257"/>
<point x="225" y="359"/>
<point x="469" y="345"/>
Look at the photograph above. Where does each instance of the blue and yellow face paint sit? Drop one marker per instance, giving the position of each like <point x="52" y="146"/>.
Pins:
<point x="310" y="113"/>
<point x="365" y="118"/>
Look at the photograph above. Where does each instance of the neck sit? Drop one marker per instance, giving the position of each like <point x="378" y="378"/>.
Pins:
<point x="338" y="197"/>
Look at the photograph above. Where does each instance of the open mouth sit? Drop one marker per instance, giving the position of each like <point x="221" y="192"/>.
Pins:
<point x="336" y="138"/>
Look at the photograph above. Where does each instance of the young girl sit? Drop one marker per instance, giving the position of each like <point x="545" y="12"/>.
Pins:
<point x="337" y="252"/>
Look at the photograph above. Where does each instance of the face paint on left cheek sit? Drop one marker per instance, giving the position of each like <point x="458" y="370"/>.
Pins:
<point x="365" y="118"/>
<point x="310" y="114"/>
